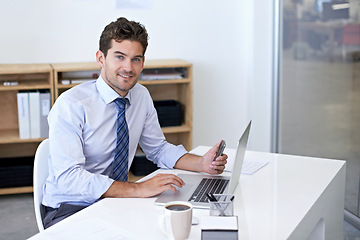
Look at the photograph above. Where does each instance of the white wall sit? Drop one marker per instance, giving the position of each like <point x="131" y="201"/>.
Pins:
<point x="261" y="87"/>
<point x="216" y="36"/>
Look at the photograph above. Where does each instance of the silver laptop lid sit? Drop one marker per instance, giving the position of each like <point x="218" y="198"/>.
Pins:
<point x="239" y="159"/>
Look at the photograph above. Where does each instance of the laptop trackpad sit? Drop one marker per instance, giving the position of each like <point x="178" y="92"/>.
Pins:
<point x="182" y="194"/>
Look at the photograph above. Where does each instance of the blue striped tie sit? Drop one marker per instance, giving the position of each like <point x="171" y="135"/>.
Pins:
<point x="120" y="163"/>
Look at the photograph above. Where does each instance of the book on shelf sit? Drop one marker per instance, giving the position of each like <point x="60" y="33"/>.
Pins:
<point x="162" y="74"/>
<point x="23" y="114"/>
<point x="91" y="74"/>
<point x="75" y="81"/>
<point x="45" y="105"/>
<point x="76" y="77"/>
<point x="33" y="109"/>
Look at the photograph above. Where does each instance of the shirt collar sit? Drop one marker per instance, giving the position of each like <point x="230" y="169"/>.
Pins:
<point x="107" y="93"/>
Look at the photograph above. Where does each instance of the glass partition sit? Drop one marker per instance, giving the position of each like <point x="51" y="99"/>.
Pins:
<point x="319" y="84"/>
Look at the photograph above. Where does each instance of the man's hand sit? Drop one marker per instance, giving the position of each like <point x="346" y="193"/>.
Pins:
<point x="160" y="183"/>
<point x="148" y="188"/>
<point x="205" y="163"/>
<point x="213" y="167"/>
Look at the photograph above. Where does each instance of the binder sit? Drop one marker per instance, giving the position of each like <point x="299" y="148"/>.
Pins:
<point x="34" y="109"/>
<point x="45" y="109"/>
<point x="23" y="114"/>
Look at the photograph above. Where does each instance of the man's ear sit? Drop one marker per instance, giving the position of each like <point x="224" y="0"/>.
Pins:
<point x="100" y="58"/>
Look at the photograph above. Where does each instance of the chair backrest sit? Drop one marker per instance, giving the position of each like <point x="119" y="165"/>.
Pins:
<point x="41" y="172"/>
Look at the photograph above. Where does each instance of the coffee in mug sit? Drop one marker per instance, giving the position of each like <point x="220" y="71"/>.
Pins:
<point x="177" y="220"/>
<point x="177" y="207"/>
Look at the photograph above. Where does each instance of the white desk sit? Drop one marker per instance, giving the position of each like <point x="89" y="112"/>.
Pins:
<point x="292" y="197"/>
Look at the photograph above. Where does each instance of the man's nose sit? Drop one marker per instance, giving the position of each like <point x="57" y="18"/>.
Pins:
<point x="128" y="66"/>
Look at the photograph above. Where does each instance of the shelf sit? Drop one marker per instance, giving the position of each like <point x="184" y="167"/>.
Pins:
<point x="24" y="68"/>
<point x="171" y="81"/>
<point x="25" y="87"/>
<point x="72" y="67"/>
<point x="168" y="63"/>
<point x="67" y="86"/>
<point x="16" y="190"/>
<point x="177" y="129"/>
<point x="153" y="82"/>
<point x="8" y="136"/>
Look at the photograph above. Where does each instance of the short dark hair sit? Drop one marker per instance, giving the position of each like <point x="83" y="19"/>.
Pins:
<point x="123" y="29"/>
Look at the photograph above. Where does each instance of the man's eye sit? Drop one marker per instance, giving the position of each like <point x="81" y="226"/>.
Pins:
<point x="119" y="57"/>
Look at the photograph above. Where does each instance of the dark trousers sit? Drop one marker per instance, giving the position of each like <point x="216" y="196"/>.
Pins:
<point x="50" y="216"/>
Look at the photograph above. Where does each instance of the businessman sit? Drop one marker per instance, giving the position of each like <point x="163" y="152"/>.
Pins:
<point x="96" y="127"/>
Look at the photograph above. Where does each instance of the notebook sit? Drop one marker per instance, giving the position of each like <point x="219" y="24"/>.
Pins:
<point x="210" y="183"/>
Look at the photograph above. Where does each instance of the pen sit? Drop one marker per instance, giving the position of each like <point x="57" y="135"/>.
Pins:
<point x="213" y="199"/>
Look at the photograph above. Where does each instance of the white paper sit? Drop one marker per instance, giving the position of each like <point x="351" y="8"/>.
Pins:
<point x="251" y="166"/>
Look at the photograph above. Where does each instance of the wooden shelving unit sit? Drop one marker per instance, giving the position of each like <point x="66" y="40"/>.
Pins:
<point x="27" y="77"/>
<point x="16" y="77"/>
<point x="62" y="68"/>
<point x="13" y="78"/>
<point x="180" y="90"/>
<point x="176" y="89"/>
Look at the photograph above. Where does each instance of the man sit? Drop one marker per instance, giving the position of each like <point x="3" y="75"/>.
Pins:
<point x="83" y="136"/>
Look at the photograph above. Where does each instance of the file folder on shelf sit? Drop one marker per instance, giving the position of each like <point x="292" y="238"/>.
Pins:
<point x="23" y="114"/>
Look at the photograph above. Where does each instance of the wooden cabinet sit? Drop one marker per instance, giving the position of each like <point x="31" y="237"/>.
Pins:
<point x="59" y="77"/>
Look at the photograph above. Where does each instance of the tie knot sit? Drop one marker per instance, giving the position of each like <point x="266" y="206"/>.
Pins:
<point x="120" y="103"/>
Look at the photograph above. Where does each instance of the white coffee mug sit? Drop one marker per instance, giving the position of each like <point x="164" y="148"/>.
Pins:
<point x="177" y="219"/>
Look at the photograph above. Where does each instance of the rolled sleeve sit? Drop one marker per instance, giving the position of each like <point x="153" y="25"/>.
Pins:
<point x="170" y="156"/>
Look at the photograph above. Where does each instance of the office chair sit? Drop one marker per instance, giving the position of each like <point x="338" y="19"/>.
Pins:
<point x="40" y="175"/>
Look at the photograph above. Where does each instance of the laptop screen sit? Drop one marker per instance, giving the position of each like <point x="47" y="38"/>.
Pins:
<point x="240" y="154"/>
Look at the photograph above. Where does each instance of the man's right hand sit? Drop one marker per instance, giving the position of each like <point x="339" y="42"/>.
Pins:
<point x="149" y="188"/>
<point x="159" y="184"/>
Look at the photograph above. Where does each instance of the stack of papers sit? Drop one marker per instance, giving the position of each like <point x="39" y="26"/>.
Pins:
<point x="251" y="166"/>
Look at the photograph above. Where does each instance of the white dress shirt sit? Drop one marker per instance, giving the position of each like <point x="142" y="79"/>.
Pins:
<point x="83" y="138"/>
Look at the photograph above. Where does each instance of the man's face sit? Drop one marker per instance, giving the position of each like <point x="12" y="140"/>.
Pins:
<point x="122" y="66"/>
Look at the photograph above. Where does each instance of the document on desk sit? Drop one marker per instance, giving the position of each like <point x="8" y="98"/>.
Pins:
<point x="89" y="229"/>
<point x="250" y="166"/>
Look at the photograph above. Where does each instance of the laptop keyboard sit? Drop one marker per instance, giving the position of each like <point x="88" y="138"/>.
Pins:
<point x="208" y="185"/>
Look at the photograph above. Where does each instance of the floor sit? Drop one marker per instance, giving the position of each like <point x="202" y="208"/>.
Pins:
<point x="17" y="219"/>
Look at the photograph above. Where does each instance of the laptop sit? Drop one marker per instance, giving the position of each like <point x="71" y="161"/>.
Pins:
<point x="210" y="183"/>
